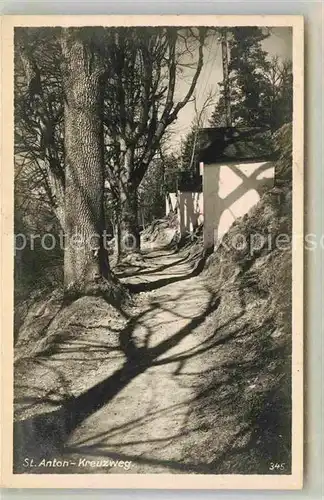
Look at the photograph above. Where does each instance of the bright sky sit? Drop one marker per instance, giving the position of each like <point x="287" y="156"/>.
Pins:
<point x="278" y="43"/>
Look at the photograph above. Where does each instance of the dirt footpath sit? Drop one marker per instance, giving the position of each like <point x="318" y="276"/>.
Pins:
<point x="161" y="387"/>
<point x="148" y="422"/>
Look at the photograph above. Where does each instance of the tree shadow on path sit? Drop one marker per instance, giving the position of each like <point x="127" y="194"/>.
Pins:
<point x="44" y="435"/>
<point x="149" y="286"/>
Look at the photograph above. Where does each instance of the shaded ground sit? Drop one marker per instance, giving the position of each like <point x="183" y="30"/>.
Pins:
<point x="167" y="385"/>
<point x="194" y="376"/>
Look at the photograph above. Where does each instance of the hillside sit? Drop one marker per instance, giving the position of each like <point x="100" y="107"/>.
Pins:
<point x="192" y="374"/>
<point x="253" y="329"/>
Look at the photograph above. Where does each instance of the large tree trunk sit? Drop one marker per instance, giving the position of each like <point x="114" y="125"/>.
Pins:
<point x="129" y="228"/>
<point x="128" y="205"/>
<point x="85" y="258"/>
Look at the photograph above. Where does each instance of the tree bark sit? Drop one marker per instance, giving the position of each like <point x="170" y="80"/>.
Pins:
<point x="85" y="258"/>
<point x="129" y="228"/>
<point x="128" y="203"/>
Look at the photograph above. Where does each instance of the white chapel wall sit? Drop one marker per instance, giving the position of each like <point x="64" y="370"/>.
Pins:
<point x="230" y="191"/>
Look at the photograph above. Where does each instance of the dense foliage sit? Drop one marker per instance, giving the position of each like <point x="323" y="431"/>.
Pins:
<point x="260" y="87"/>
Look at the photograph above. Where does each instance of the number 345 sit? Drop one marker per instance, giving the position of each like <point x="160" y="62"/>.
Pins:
<point x="277" y="466"/>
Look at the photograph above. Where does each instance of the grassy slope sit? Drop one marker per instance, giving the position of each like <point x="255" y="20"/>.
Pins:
<point x="250" y="379"/>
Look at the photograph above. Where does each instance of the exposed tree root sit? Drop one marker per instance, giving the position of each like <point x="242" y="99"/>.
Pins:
<point x="110" y="289"/>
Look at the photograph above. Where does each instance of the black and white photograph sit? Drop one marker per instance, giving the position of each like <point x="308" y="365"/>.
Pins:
<point x="154" y="205"/>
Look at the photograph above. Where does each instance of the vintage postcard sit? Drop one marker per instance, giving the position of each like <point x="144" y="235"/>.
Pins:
<point x="152" y="263"/>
